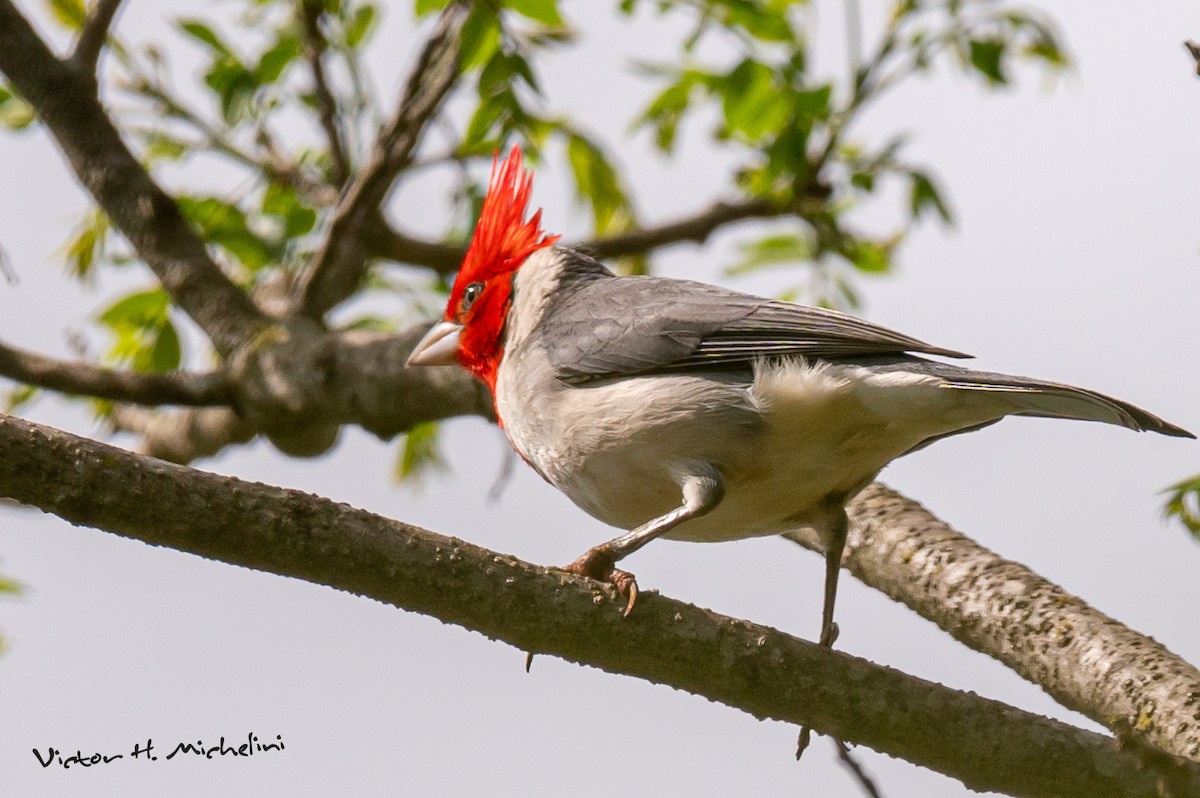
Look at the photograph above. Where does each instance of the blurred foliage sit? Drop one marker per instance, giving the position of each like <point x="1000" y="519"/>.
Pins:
<point x="1183" y="504"/>
<point x="741" y="68"/>
<point x="419" y="454"/>
<point x="8" y="587"/>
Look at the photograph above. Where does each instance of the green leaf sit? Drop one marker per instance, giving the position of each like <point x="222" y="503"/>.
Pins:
<point x="420" y="453"/>
<point x="164" y="354"/>
<point x="20" y="396"/>
<point x="666" y="110"/>
<point x="204" y="34"/>
<point x="765" y="21"/>
<point x="987" y="57"/>
<point x="282" y="201"/>
<point x="87" y="246"/>
<point x="423" y="7"/>
<point x="71" y="14"/>
<point x="161" y="147"/>
<point x="10" y="586"/>
<point x="544" y="11"/>
<point x="869" y="256"/>
<point x="1183" y="504"/>
<point x="139" y="310"/>
<point x="497" y="73"/>
<point x="750" y="100"/>
<point x="15" y="113"/>
<point x="144" y="335"/>
<point x="775" y="250"/>
<point x="597" y="183"/>
<point x="372" y="323"/>
<point x="814" y="103"/>
<point x="235" y="86"/>
<point x="480" y="38"/>
<point x="224" y="224"/>
<point x="924" y="196"/>
<point x="362" y="24"/>
<point x="276" y="59"/>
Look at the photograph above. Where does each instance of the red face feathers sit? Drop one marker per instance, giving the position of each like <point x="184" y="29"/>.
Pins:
<point x="483" y="289"/>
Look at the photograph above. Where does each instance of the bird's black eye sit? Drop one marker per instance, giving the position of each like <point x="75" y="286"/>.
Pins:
<point x="470" y="294"/>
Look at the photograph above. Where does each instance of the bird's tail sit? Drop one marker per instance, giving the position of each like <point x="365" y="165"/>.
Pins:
<point x="1053" y="400"/>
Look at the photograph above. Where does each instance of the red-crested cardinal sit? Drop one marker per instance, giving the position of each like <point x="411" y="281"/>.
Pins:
<point x="678" y="409"/>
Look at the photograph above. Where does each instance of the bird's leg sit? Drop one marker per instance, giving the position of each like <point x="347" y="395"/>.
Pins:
<point x="833" y="537"/>
<point x="702" y="491"/>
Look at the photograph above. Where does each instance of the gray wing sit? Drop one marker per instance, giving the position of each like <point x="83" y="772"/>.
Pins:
<point x="609" y="326"/>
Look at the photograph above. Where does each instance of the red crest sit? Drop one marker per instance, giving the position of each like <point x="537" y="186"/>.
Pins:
<point x="503" y="239"/>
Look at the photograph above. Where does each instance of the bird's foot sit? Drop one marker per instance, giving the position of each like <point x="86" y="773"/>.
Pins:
<point x="829" y="636"/>
<point x="598" y="564"/>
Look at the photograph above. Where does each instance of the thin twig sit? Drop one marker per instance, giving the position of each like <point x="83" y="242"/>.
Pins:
<point x="383" y="241"/>
<point x="311" y="12"/>
<point x="1194" y="49"/>
<point x="853" y="36"/>
<point x="84" y="379"/>
<point x="336" y="270"/>
<point x="94" y="34"/>
<point x="6" y="268"/>
<point x="847" y="758"/>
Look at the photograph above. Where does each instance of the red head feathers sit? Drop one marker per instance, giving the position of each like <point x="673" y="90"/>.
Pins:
<point x="502" y="241"/>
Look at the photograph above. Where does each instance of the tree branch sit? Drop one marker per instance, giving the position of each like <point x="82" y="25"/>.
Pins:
<point x="987" y="745"/>
<point x="337" y="268"/>
<point x="92" y="37"/>
<point x="84" y="379"/>
<point x="182" y="436"/>
<point x="311" y="12"/>
<point x="1084" y="659"/>
<point x="695" y="229"/>
<point x="300" y="389"/>
<point x="382" y="241"/>
<point x="147" y="216"/>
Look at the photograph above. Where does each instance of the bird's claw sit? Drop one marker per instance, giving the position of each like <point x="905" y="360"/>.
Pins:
<point x="598" y="564"/>
<point x="829" y="635"/>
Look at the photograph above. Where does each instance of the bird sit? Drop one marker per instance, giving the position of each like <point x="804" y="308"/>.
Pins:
<point x="678" y="409"/>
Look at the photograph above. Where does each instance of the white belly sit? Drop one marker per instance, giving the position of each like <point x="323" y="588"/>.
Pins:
<point x="788" y="445"/>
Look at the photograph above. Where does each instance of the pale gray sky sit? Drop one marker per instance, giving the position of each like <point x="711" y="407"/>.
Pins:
<point x="1076" y="258"/>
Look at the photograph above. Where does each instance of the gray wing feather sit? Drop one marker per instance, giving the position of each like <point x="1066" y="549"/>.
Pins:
<point x="629" y="325"/>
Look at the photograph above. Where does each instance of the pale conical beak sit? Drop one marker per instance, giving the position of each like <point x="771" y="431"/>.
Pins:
<point x="439" y="347"/>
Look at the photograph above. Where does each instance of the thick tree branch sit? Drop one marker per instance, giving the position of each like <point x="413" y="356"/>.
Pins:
<point x="311" y="12"/>
<point x="185" y="435"/>
<point x="383" y="241"/>
<point x="84" y="379"/>
<point x="987" y="745"/>
<point x="337" y="268"/>
<point x="149" y="218"/>
<point x="299" y="386"/>
<point x="1086" y="660"/>
<point x="92" y="37"/>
